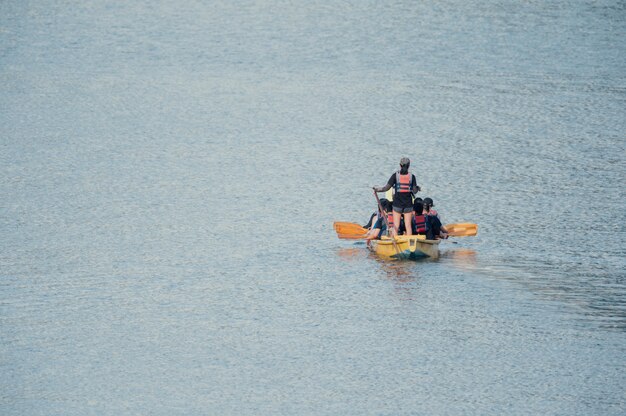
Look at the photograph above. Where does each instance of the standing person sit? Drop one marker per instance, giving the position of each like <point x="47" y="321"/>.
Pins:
<point x="405" y="185"/>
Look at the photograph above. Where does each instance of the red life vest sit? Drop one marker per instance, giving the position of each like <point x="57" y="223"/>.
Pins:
<point x="420" y="224"/>
<point x="404" y="183"/>
<point x="432" y="212"/>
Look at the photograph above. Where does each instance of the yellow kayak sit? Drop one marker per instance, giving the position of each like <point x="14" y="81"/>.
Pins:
<point x="406" y="247"/>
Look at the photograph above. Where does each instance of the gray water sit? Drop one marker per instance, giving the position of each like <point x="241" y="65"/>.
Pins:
<point x="170" y="172"/>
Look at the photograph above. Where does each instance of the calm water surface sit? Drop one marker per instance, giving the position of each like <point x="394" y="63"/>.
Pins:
<point x="169" y="175"/>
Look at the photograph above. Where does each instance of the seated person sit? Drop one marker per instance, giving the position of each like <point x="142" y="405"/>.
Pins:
<point x="434" y="228"/>
<point x="377" y="214"/>
<point x="380" y="226"/>
<point x="419" y="219"/>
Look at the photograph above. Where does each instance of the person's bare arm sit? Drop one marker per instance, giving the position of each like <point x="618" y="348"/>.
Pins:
<point x="382" y="188"/>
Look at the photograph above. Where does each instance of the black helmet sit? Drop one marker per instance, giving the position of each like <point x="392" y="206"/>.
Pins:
<point x="429" y="202"/>
<point x="418" y="207"/>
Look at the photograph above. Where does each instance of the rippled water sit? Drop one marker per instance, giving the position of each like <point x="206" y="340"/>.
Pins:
<point x="170" y="173"/>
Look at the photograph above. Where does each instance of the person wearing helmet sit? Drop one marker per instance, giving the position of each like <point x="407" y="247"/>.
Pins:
<point x="419" y="219"/>
<point x="405" y="186"/>
<point x="434" y="228"/>
<point x="428" y="207"/>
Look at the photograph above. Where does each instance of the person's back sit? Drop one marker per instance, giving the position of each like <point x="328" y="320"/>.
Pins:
<point x="434" y="228"/>
<point x="419" y="219"/>
<point x="428" y="209"/>
<point x="405" y="185"/>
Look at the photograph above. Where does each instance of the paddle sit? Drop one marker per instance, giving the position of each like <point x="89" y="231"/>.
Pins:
<point x="352" y="236"/>
<point x="465" y="229"/>
<point x="353" y="231"/>
<point x="349" y="228"/>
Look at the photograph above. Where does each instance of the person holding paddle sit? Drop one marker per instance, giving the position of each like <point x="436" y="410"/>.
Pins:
<point x="405" y="186"/>
<point x="376" y="215"/>
<point x="379" y="228"/>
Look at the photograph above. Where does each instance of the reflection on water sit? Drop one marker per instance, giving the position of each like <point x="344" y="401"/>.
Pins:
<point x="400" y="271"/>
<point x="464" y="258"/>
<point x="402" y="274"/>
<point x="352" y="253"/>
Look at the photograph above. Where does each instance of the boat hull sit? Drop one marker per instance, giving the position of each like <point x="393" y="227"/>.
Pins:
<point x="406" y="247"/>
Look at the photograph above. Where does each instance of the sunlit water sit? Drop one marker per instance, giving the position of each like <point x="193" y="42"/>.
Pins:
<point x="170" y="173"/>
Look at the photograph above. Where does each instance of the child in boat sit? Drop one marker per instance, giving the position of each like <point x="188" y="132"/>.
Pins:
<point x="380" y="227"/>
<point x="419" y="219"/>
<point x="376" y="215"/>
<point x="434" y="228"/>
<point x="392" y="230"/>
<point x="405" y="185"/>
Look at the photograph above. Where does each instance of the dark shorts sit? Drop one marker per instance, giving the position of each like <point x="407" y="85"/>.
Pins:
<point x="403" y="210"/>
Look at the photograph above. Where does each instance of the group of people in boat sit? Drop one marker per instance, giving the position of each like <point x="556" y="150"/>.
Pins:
<point x="405" y="214"/>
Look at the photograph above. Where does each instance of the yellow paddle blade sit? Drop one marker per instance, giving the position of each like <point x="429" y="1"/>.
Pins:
<point x="348" y="228"/>
<point x="465" y="229"/>
<point x="345" y="224"/>
<point x="351" y="236"/>
<point x="342" y="230"/>
<point x="351" y="230"/>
